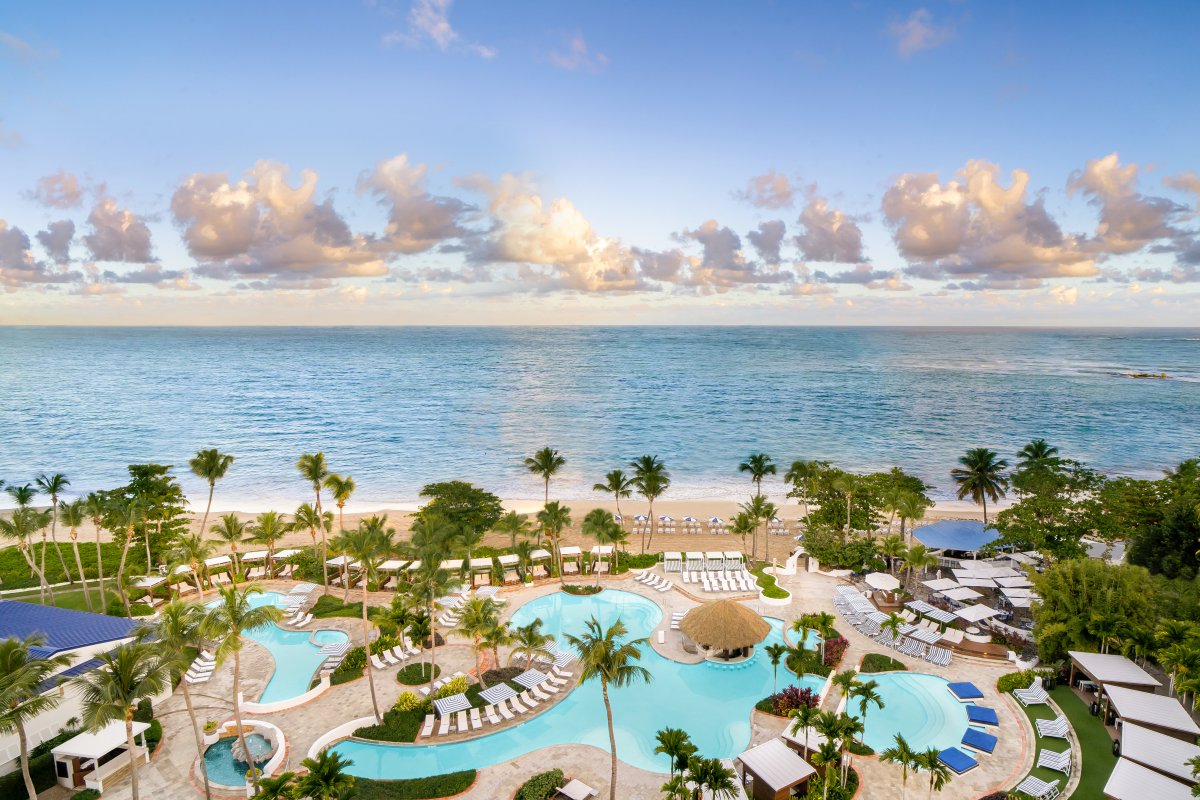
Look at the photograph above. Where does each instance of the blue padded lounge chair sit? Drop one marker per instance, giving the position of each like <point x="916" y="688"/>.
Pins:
<point x="978" y="740"/>
<point x="981" y="715"/>
<point x="965" y="691"/>
<point x="957" y="760"/>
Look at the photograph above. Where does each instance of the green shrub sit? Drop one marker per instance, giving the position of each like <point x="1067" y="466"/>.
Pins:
<point x="860" y="748"/>
<point x="541" y="786"/>
<point x="767" y="583"/>
<point x="878" y="662"/>
<point x="453" y="686"/>
<point x="329" y="606"/>
<point x="627" y="561"/>
<point x="397" y="726"/>
<point x="582" y="589"/>
<point x="409" y="701"/>
<point x="308" y="566"/>
<point x="85" y="794"/>
<point x="41" y="769"/>
<point x="14" y="571"/>
<point x="154" y="734"/>
<point x="1015" y="680"/>
<point x="351" y="666"/>
<point x="383" y="643"/>
<point x="144" y="711"/>
<point x="414" y="788"/>
<point x="416" y="674"/>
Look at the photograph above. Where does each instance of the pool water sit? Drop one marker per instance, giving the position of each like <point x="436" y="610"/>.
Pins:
<point x="917" y="706"/>
<point x="712" y="702"/>
<point x="296" y="658"/>
<point x="221" y="766"/>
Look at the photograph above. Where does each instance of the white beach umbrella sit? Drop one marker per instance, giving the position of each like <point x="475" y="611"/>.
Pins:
<point x="882" y="581"/>
<point x="716" y="520"/>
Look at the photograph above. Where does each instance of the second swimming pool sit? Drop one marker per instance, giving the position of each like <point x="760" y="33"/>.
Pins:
<point x="916" y="706"/>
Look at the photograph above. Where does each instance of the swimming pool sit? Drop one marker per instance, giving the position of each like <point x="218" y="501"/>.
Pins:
<point x="712" y="702"/>
<point x="915" y="705"/>
<point x="221" y="766"/>
<point x="296" y="657"/>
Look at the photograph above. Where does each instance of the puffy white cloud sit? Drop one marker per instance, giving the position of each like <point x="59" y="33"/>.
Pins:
<point x="864" y="275"/>
<point x="263" y="226"/>
<point x="769" y="190"/>
<point x="723" y="265"/>
<point x="60" y="190"/>
<point x="19" y="269"/>
<point x="1064" y="295"/>
<point x="1129" y="220"/>
<point x="417" y="220"/>
<point x="918" y="32"/>
<point x="977" y="228"/>
<point x="117" y="234"/>
<point x="829" y="235"/>
<point x="56" y="240"/>
<point x="661" y="265"/>
<point x="429" y="21"/>
<point x="578" y="56"/>
<point x="767" y="239"/>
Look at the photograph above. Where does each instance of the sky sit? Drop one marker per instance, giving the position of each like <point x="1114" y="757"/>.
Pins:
<point x="471" y="162"/>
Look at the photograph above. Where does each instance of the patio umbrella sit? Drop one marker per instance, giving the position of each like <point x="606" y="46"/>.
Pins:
<point x="962" y="593"/>
<point x="452" y="704"/>
<point x="976" y="613"/>
<point x="640" y="517"/>
<point x="501" y="691"/>
<point x="716" y="521"/>
<point x="530" y="678"/>
<point x="725" y="625"/>
<point x="882" y="581"/>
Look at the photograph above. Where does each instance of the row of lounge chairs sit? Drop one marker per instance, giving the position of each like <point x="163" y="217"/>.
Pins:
<point x="722" y="581"/>
<point x="201" y="669"/>
<point x="440" y="682"/>
<point x="299" y="619"/>
<point x="654" y="582"/>
<point x="676" y="618"/>
<point x="397" y="655"/>
<point x="496" y="713"/>
<point x="974" y="742"/>
<point x="862" y="614"/>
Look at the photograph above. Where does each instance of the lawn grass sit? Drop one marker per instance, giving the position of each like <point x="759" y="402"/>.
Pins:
<point x="878" y="662"/>
<point x="65" y="598"/>
<point x="770" y="588"/>
<point x="1094" y="744"/>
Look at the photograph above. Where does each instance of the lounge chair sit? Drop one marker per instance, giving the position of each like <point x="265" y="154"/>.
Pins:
<point x="476" y="722"/>
<point x="979" y="741"/>
<point x="490" y="712"/>
<point x="982" y="715"/>
<point x="1039" y="789"/>
<point x="460" y="722"/>
<point x="444" y="725"/>
<point x="389" y="659"/>
<point x="565" y="674"/>
<point x="550" y="686"/>
<point x="397" y="655"/>
<point x="576" y="790"/>
<point x="515" y="702"/>
<point x="428" y="729"/>
<point x="1033" y="696"/>
<point x="957" y="760"/>
<point x="528" y="699"/>
<point x="1057" y="728"/>
<point x="502" y="707"/>
<point x="665" y="587"/>
<point x="537" y="692"/>
<point x="1059" y="762"/>
<point x="377" y="662"/>
<point x="965" y="691"/>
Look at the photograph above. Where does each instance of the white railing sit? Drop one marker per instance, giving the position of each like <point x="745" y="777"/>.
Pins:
<point x="340" y="732"/>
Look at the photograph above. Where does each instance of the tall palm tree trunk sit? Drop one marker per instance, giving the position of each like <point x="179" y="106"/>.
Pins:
<point x="212" y="485"/>
<point x="367" y="647"/>
<point x="43" y="584"/>
<point x="54" y="538"/>
<point x="984" y="499"/>
<point x="646" y="543"/>
<point x="146" y="542"/>
<point x="133" y="759"/>
<point x="121" y="572"/>
<point x="24" y="747"/>
<point x="237" y="712"/>
<point x="324" y="547"/>
<point x="432" y="647"/>
<point x="87" y="596"/>
<point x="100" y="567"/>
<point x="187" y="699"/>
<point x="766" y="541"/>
<point x="196" y="579"/>
<point x="612" y="742"/>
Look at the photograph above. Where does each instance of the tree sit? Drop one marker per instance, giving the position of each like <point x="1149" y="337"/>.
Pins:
<point x="744" y="524"/>
<point x="917" y="560"/>
<point x="341" y="489"/>
<point x="193" y="550"/>
<point x="225" y="625"/>
<point x="892" y="549"/>
<point x="651" y="480"/>
<point x="775" y="652"/>
<point x="867" y="694"/>
<point x="514" y="525"/>
<point x="96" y="506"/>
<point x="676" y="788"/>
<point x="210" y="465"/>
<point x="21" y="526"/>
<point x="939" y="773"/>
<point x="849" y="485"/>
<point x="498" y="634"/>
<point x="478" y="616"/>
<point x="761" y="510"/>
<point x="802" y="476"/>
<point x="268" y="529"/>
<point x="163" y="513"/>
<point x="281" y="787"/>
<point x="529" y="641"/>
<point x="673" y="743"/>
<point x="902" y="756"/>
<point x="803" y="719"/>
<point x="462" y="504"/>
<point x="604" y="657"/>
<point x="759" y="465"/>
<point x="616" y="483"/>
<point x="553" y="519"/>
<point x="133" y="672"/>
<point x="893" y="624"/>
<point x="22" y="495"/>
<point x="370" y="545"/>
<point x="23" y="677"/>
<point x="845" y="680"/>
<point x="545" y="463"/>
<point x="313" y="469"/>
<point x="1071" y="590"/>
<point x="598" y="524"/>
<point x="232" y="531"/>
<point x="711" y="774"/>
<point x="1038" y="453"/>
<point x="981" y="477"/>
<point x="326" y="778"/>
<point x="54" y="485"/>
<point x="910" y="508"/>
<point x="430" y="543"/>
<point x="124" y="513"/>
<point x="73" y="515"/>
<point x="177" y="633"/>
<point x="306" y="516"/>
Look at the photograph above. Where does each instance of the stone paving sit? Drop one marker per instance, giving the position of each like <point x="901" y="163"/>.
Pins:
<point x="173" y="765"/>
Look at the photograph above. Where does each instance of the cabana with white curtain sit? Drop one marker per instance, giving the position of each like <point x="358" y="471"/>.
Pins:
<point x="672" y="561"/>
<point x="572" y="559"/>
<point x="695" y="561"/>
<point x="601" y="557"/>
<point x="87" y="760"/>
<point x="537" y="563"/>
<point x="509" y="563"/>
<point x="941" y="584"/>
<point x="481" y="571"/>
<point x="733" y="560"/>
<point x="714" y="561"/>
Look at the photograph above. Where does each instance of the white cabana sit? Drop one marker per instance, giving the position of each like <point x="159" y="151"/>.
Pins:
<point x="148" y="582"/>
<point x="77" y="757"/>
<point x="1132" y="781"/>
<point x="413" y="567"/>
<point x="941" y="584"/>
<point x="217" y="561"/>
<point x="570" y="551"/>
<point x="1022" y="592"/>
<point x="339" y="561"/>
<point x="480" y="564"/>
<point x="976" y="613"/>
<point x="733" y="560"/>
<point x="392" y="565"/>
<point x="601" y="550"/>
<point x="182" y="569"/>
<point x="776" y="765"/>
<point x="1158" y="751"/>
<point x="291" y="551"/>
<point x="1014" y="583"/>
<point x="454" y="564"/>
<point x="1151" y="710"/>
<point x="695" y="561"/>
<point x="962" y="593"/>
<point x="714" y="560"/>
<point x="255" y="555"/>
<point x="539" y="555"/>
<point x="1021" y="602"/>
<point x="1111" y="668"/>
<point x="882" y="581"/>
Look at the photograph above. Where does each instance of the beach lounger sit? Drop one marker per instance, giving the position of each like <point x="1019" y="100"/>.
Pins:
<point x="502" y="707"/>
<point x="444" y="725"/>
<point x="397" y="655"/>
<point x="964" y="691"/>
<point x="377" y="662"/>
<point x="428" y="729"/>
<point x="1057" y="728"/>
<point x="476" y="722"/>
<point x="460" y="722"/>
<point x="981" y="715"/>
<point x="662" y="637"/>
<point x="957" y="760"/>
<point x="304" y="622"/>
<point x="1032" y="698"/>
<point x="550" y="686"/>
<point x="515" y="702"/>
<point x="665" y="587"/>
<point x="1039" y="789"/>
<point x="490" y="713"/>
<point x="537" y="692"/>
<point x="562" y="673"/>
<point x="576" y="790"/>
<point x="1059" y="762"/>
<point x="529" y="700"/>
<point x="979" y="741"/>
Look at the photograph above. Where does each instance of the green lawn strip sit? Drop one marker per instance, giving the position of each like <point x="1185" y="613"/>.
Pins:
<point x="1094" y="744"/>
<point x="65" y="598"/>
<point x="770" y="588"/>
<point x="414" y="788"/>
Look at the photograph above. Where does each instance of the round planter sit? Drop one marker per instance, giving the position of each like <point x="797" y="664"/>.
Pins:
<point x="211" y="738"/>
<point x="774" y="601"/>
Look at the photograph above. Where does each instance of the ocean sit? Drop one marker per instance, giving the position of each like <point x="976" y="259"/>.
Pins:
<point x="399" y="407"/>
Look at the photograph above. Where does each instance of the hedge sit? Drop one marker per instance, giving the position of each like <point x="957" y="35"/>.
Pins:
<point x="329" y="606"/>
<point x="414" y="788"/>
<point x="541" y="786"/>
<point x="397" y="726"/>
<point x="878" y="662"/>
<point x="770" y="588"/>
<point x="41" y="769"/>
<point x="14" y="571"/>
<point x="582" y="589"/>
<point x="416" y="674"/>
<point x="1016" y="680"/>
<point x="351" y="666"/>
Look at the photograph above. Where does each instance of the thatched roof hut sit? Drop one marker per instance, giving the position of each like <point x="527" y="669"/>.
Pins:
<point x="724" y="625"/>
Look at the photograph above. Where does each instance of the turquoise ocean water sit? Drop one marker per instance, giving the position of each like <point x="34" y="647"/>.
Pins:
<point x="399" y="407"/>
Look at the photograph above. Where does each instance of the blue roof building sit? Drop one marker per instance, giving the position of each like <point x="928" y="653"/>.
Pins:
<point x="64" y="629"/>
<point x="966" y="535"/>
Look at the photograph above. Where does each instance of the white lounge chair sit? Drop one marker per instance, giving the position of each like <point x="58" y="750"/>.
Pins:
<point x="1059" y="762"/>
<point x="444" y="725"/>
<point x="565" y="674"/>
<point x="377" y="662"/>
<point x="428" y="729"/>
<point x="537" y="692"/>
<point x="550" y="686"/>
<point x="490" y="712"/>
<point x="397" y="655"/>
<point x="502" y="707"/>
<point x="476" y="722"/>
<point x="1054" y="728"/>
<point x="460" y="722"/>
<point x="529" y="700"/>
<point x="1039" y="789"/>
<point x="515" y="702"/>
<point x="195" y="679"/>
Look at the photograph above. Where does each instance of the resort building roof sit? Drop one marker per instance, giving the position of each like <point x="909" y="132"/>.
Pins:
<point x="1158" y="751"/>
<point x="63" y="628"/>
<point x="776" y="764"/>
<point x="1108" y="668"/>
<point x="570" y="551"/>
<point x="1155" y="710"/>
<point x="99" y="743"/>
<point x="539" y="555"/>
<point x="956" y="534"/>
<point x="1131" y="781"/>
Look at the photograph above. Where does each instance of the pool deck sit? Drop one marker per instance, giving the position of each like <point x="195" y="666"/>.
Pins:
<point x="172" y="766"/>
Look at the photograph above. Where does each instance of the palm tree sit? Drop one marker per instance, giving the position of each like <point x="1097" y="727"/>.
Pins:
<point x="478" y="616"/>
<point x="21" y="526"/>
<point x="803" y="719"/>
<point x="545" y="463"/>
<point x="918" y="559"/>
<point x="429" y="582"/>
<point x="867" y="694"/>
<point x="192" y="550"/>
<point x="759" y="465"/>
<point x="73" y="515"/>
<point x="341" y="489"/>
<point x="676" y="788"/>
<point x="127" y="675"/>
<point x="743" y="525"/>
<point x="775" y="652"/>
<point x="939" y="773"/>
<point x="910" y="508"/>
<point x="514" y="525"/>
<point x="468" y="539"/>
<point x="232" y="531"/>
<point x="892" y="548"/>
<point x="893" y="624"/>
<point x="616" y="483"/>
<point x="981" y="477"/>
<point x="97" y="508"/>
<point x="1038" y="453"/>
<point x="126" y="514"/>
<point x="498" y="634"/>
<point x="54" y="485"/>
<point x="606" y="658"/>
<point x="711" y="774"/>
<point x="23" y="695"/>
<point x="210" y="465"/>
<point x="22" y="495"/>
<point x="673" y="743"/>
<point x="761" y="510"/>
<point x="225" y="625"/>
<point x="268" y="529"/>
<point x="827" y="757"/>
<point x="847" y="728"/>
<point x="369" y="544"/>
<point x="599" y="525"/>
<point x="849" y="485"/>
<point x="845" y="680"/>
<point x="529" y="641"/>
<point x="326" y="778"/>
<point x="524" y="553"/>
<point x="903" y="756"/>
<point x="802" y="475"/>
<point x="650" y="479"/>
<point x="306" y="516"/>
<point x="177" y="633"/>
<point x="553" y="519"/>
<point x="281" y="787"/>
<point x="312" y="468"/>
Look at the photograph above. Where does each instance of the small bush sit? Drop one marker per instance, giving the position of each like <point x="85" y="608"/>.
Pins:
<point x="154" y="734"/>
<point x="308" y="566"/>
<point x="541" y="786"/>
<point x="582" y="589"/>
<point x="860" y="748"/>
<point x="414" y="788"/>
<point x="397" y="726"/>
<point x="453" y="686"/>
<point x="383" y="643"/>
<point x="1015" y="680"/>
<point x="784" y="702"/>
<point x="878" y="662"/>
<point x="329" y="606"/>
<point x="835" y="648"/>
<point x="144" y="711"/>
<point x="351" y="666"/>
<point x="501" y="674"/>
<point x="85" y="794"/>
<point x="409" y="701"/>
<point x="416" y="674"/>
<point x="769" y="586"/>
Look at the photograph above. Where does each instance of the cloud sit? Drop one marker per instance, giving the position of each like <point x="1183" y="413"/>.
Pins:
<point x="661" y="265"/>
<point x="117" y="234"/>
<point x="1064" y="295"/>
<point x="722" y="264"/>
<point x="1129" y="220"/>
<point x="977" y="228"/>
<point x="918" y="32"/>
<point x="19" y="269"/>
<point x="416" y="220"/>
<point x="829" y="235"/>
<point x="429" y="21"/>
<point x="578" y="56"/>
<point x="56" y="240"/>
<point x="262" y="226"/>
<point x="60" y="190"/>
<point x="769" y="190"/>
<point x="864" y="275"/>
<point x="1186" y="182"/>
<point x="152" y="274"/>
<point x="767" y="239"/>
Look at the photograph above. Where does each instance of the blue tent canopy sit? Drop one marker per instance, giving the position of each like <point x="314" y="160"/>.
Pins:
<point x="956" y="534"/>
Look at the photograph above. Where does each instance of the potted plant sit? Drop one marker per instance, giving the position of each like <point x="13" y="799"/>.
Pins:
<point x="210" y="732"/>
<point x="251" y="775"/>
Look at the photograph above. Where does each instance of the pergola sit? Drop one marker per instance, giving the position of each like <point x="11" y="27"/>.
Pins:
<point x="539" y="555"/>
<point x="1131" y="781"/>
<point x="1159" y="752"/>
<point x="572" y="558"/>
<point x="774" y="770"/>
<point x="1154" y="711"/>
<point x="509" y="564"/>
<point x="92" y="757"/>
<point x="481" y="571"/>
<point x="1108" y="669"/>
